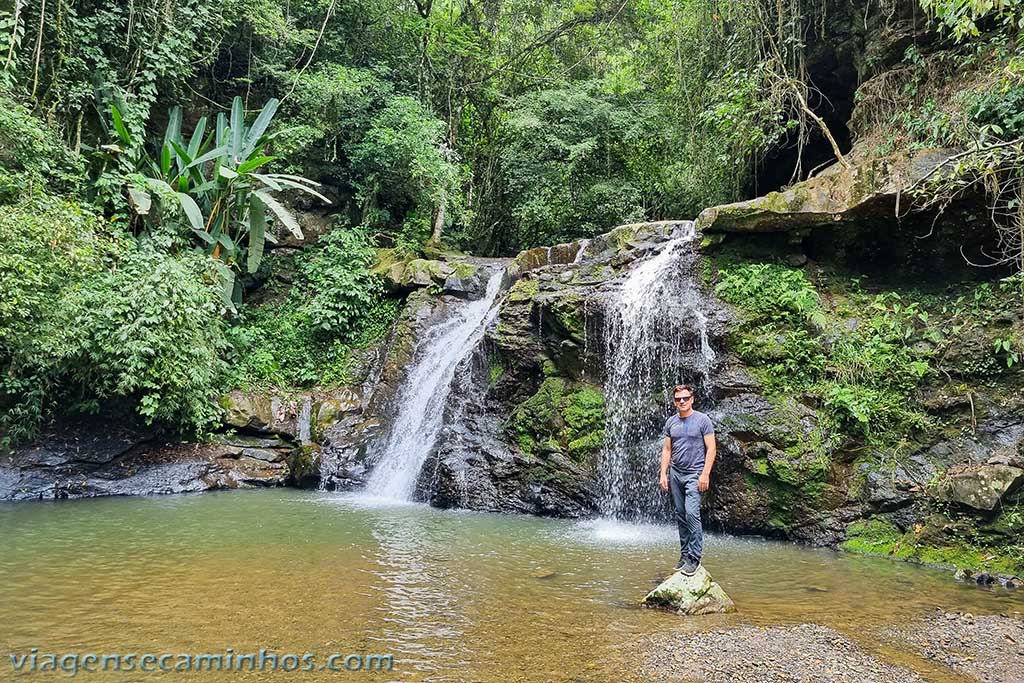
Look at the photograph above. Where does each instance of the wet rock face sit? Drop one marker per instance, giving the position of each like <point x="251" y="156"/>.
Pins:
<point x="84" y="460"/>
<point x="478" y="466"/>
<point x="773" y="474"/>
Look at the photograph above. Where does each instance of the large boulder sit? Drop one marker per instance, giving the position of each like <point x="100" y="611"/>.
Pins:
<point x="865" y="189"/>
<point x="690" y="595"/>
<point x="303" y="417"/>
<point x="418" y="273"/>
<point x="981" y="488"/>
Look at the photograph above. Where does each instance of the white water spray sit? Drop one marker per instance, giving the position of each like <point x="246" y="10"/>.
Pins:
<point x="655" y="336"/>
<point x="425" y="392"/>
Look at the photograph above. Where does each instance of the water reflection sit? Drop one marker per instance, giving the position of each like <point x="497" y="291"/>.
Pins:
<point x="420" y="615"/>
<point x="453" y="595"/>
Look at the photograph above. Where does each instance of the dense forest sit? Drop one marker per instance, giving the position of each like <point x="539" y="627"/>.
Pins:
<point x="194" y="194"/>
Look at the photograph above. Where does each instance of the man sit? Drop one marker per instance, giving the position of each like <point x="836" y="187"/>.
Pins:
<point x="690" y="448"/>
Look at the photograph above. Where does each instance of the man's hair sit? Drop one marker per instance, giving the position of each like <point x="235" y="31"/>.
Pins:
<point x="681" y="387"/>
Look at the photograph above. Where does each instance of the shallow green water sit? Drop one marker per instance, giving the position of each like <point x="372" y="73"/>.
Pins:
<point x="454" y="596"/>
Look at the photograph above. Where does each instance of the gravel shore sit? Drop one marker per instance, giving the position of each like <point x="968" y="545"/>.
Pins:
<point x="807" y="653"/>
<point x="986" y="648"/>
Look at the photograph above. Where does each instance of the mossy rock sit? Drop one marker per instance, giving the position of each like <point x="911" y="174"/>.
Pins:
<point x="560" y="417"/>
<point x="523" y="290"/>
<point x="304" y="465"/>
<point x="567" y="312"/>
<point x="939" y="541"/>
<point x="690" y="595"/>
<point x="853" y="193"/>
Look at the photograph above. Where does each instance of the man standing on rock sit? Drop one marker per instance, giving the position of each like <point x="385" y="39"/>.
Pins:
<point x="690" y="448"/>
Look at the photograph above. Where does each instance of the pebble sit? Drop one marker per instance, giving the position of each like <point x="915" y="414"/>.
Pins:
<point x="987" y="648"/>
<point x="807" y="653"/>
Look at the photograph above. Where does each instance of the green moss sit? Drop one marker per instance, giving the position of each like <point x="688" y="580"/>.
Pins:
<point x="559" y="417"/>
<point x="566" y="310"/>
<point x="871" y="537"/>
<point x="463" y="269"/>
<point x="711" y="240"/>
<point x="780" y="497"/>
<point x="759" y="467"/>
<point x="384" y="259"/>
<point x="304" y="462"/>
<point x="496" y="370"/>
<point x="585" y="445"/>
<point x="523" y="290"/>
<point x="925" y="545"/>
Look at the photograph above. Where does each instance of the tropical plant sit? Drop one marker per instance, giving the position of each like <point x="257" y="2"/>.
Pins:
<point x="211" y="187"/>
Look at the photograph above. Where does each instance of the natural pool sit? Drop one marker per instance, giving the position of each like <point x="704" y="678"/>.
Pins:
<point x="454" y="596"/>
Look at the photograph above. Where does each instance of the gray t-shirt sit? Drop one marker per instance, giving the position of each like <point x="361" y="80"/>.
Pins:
<point x="687" y="434"/>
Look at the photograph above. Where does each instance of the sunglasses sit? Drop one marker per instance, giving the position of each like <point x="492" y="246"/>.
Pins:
<point x="682" y="399"/>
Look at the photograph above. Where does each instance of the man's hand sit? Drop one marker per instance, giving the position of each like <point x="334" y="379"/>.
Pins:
<point x="664" y="481"/>
<point x="704" y="483"/>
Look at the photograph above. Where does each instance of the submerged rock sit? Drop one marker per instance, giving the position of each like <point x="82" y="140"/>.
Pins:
<point x="690" y="595"/>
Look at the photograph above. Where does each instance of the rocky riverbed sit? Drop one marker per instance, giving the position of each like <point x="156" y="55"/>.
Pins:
<point x="948" y="647"/>
<point x="806" y="653"/>
<point x="986" y="648"/>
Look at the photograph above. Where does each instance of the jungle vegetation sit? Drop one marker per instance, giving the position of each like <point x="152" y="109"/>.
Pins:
<point x="153" y="156"/>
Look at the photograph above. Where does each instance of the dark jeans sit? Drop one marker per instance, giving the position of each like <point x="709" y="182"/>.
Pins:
<point x="686" y="499"/>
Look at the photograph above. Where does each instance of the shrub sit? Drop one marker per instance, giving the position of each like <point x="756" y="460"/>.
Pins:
<point x="32" y="157"/>
<point x="89" y="316"/>
<point x="335" y="305"/>
<point x="150" y="330"/>
<point x="863" y="375"/>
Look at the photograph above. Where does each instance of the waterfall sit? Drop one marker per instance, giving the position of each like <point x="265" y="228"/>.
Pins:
<point x="655" y="336"/>
<point x="424" y="393"/>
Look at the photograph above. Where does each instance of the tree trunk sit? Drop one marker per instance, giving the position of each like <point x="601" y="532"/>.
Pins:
<point x="439" y="217"/>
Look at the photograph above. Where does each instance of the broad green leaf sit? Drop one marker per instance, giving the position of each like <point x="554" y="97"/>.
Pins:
<point x="254" y="163"/>
<point x="222" y="124"/>
<point x="204" y="236"/>
<point x="173" y="133"/>
<point x="205" y="187"/>
<point x="227" y="243"/>
<point x="296" y="178"/>
<point x="119" y="126"/>
<point x="192" y="212"/>
<point x="165" y="159"/>
<point x="299" y="186"/>
<point x="268" y="181"/>
<point x="257" y="233"/>
<point x="282" y="213"/>
<point x="225" y="172"/>
<point x="259" y="126"/>
<point x="140" y="200"/>
<point x="212" y="154"/>
<point x="182" y="157"/>
<point x="158" y="185"/>
<point x="196" y="141"/>
<point x="237" y="127"/>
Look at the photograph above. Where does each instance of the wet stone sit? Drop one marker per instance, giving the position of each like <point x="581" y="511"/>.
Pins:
<point x="690" y="595"/>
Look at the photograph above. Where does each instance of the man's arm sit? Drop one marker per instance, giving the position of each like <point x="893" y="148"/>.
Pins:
<point x="704" y="483"/>
<point x="666" y="458"/>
